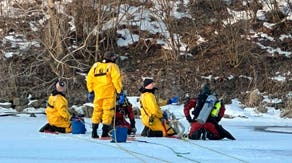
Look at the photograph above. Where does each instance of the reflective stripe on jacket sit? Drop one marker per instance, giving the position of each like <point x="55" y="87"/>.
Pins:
<point x="104" y="79"/>
<point x="216" y="108"/>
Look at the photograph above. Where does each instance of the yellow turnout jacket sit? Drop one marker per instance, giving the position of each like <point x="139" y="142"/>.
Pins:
<point x="104" y="79"/>
<point x="57" y="111"/>
<point x="151" y="114"/>
<point x="150" y="107"/>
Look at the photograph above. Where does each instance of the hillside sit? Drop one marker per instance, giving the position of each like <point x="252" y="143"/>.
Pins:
<point x="243" y="48"/>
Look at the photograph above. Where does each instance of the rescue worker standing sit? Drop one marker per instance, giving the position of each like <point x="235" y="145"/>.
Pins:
<point x="103" y="84"/>
<point x="57" y="111"/>
<point x="153" y="117"/>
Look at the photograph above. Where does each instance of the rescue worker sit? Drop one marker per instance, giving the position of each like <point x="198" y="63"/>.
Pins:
<point x="211" y="128"/>
<point x="57" y="111"/>
<point x="124" y="110"/>
<point x="104" y="83"/>
<point x="153" y="118"/>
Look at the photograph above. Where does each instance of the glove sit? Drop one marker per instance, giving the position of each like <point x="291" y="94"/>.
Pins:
<point x="132" y="121"/>
<point x="90" y="97"/>
<point x="121" y="98"/>
<point x="133" y="131"/>
<point x="72" y="116"/>
<point x="165" y="116"/>
<point x="173" y="100"/>
<point x="189" y="119"/>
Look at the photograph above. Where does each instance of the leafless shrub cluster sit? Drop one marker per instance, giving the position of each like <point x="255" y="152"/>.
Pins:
<point x="254" y="98"/>
<point x="65" y="52"/>
<point x="287" y="112"/>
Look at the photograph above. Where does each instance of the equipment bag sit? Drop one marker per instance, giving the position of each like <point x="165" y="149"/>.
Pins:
<point x="119" y="134"/>
<point x="78" y="126"/>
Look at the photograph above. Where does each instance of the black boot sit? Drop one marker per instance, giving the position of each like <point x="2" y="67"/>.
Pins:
<point x="105" y="130"/>
<point x="196" y="135"/>
<point x="204" y="134"/>
<point x="59" y="129"/>
<point x="47" y="128"/>
<point x="152" y="133"/>
<point x="145" y="131"/>
<point x="94" y="130"/>
<point x="225" y="133"/>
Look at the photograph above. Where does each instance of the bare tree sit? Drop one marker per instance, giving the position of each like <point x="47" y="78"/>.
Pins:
<point x="54" y="33"/>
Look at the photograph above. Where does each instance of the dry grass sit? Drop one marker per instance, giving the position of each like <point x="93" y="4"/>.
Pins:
<point x="287" y="113"/>
<point x="262" y="109"/>
<point x="254" y="98"/>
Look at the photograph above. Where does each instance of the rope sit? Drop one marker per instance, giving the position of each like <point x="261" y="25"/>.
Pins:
<point x="178" y="154"/>
<point x="132" y="153"/>
<point x="218" y="152"/>
<point x="115" y="137"/>
<point x="114" y="125"/>
<point x="188" y="158"/>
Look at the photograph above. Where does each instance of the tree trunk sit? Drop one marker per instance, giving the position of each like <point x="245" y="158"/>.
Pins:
<point x="54" y="34"/>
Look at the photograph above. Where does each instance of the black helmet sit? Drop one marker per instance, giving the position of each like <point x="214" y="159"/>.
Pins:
<point x="205" y="89"/>
<point x="60" y="82"/>
<point x="111" y="56"/>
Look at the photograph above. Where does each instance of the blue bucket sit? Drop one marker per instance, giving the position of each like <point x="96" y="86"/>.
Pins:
<point x="119" y="134"/>
<point x="78" y="126"/>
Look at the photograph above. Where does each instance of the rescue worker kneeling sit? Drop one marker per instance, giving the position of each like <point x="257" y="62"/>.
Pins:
<point x="153" y="118"/>
<point x="124" y="109"/>
<point x="57" y="111"/>
<point x="211" y="128"/>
